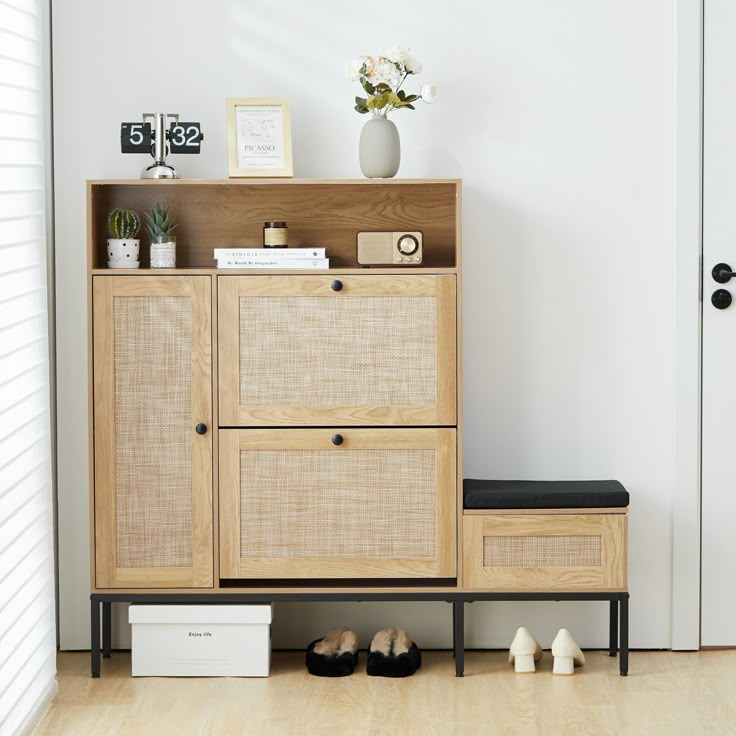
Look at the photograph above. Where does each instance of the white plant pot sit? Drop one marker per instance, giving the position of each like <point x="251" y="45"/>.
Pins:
<point x="163" y="255"/>
<point x="123" y="250"/>
<point x="123" y="264"/>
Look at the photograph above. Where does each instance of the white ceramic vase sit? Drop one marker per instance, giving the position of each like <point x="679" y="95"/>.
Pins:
<point x="380" y="148"/>
<point x="123" y="252"/>
<point x="163" y="255"/>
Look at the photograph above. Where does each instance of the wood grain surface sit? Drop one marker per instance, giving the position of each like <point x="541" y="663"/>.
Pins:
<point x="674" y="693"/>
<point x="108" y="571"/>
<point x="609" y="575"/>
<point x="230" y="214"/>
<point x="232" y="442"/>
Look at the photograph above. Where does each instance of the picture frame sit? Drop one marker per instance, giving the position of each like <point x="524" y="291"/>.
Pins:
<point x="259" y="137"/>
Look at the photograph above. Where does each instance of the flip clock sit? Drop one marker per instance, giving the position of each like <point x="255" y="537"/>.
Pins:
<point x="152" y="136"/>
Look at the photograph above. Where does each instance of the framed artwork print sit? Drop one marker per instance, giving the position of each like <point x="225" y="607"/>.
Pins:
<point x="258" y="137"/>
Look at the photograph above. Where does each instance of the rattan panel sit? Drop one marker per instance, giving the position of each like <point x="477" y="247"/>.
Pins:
<point x="153" y="431"/>
<point x="337" y="504"/>
<point x="556" y="551"/>
<point x="346" y="351"/>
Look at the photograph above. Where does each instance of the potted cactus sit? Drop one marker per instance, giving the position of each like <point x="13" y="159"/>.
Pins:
<point x="122" y="246"/>
<point x="160" y="225"/>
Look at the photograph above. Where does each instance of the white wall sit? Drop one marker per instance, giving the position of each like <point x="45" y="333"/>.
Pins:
<point x="560" y="119"/>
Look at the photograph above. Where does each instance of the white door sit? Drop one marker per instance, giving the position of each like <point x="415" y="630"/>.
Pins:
<point x="718" y="601"/>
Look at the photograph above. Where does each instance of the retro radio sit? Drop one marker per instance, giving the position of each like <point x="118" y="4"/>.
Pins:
<point x="386" y="248"/>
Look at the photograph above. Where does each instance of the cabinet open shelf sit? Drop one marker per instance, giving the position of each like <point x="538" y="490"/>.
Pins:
<point x="319" y="212"/>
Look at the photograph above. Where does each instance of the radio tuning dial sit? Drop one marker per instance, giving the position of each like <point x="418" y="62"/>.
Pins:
<point x="407" y="245"/>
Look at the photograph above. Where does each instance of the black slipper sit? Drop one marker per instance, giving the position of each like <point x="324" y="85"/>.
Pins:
<point x="334" y="655"/>
<point x="393" y="654"/>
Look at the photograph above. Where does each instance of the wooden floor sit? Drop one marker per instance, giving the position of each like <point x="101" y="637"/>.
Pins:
<point x="665" y="693"/>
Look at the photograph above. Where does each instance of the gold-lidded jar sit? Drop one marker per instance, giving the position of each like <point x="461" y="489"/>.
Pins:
<point x="275" y="235"/>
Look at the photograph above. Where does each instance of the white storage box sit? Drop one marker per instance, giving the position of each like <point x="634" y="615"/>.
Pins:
<point x="201" y="641"/>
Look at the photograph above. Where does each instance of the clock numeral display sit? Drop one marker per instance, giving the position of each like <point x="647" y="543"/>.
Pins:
<point x="185" y="137"/>
<point x="136" y="137"/>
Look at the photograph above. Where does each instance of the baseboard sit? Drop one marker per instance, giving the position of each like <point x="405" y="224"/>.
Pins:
<point x="28" y="726"/>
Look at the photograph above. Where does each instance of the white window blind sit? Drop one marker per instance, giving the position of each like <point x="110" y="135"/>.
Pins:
<point x="27" y="627"/>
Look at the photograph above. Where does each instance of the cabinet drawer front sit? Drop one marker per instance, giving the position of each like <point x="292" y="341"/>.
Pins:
<point x="379" y="351"/>
<point x="537" y="552"/>
<point x="295" y="505"/>
<point x="153" y="473"/>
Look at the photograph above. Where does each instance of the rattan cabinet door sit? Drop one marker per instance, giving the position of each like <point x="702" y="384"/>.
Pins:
<point x="153" y="471"/>
<point x="337" y="350"/>
<point x="378" y="504"/>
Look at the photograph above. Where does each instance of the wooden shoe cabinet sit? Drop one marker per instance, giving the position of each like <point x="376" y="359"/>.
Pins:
<point x="263" y="429"/>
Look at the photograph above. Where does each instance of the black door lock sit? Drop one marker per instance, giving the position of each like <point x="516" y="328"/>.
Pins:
<point x="722" y="273"/>
<point x="721" y="299"/>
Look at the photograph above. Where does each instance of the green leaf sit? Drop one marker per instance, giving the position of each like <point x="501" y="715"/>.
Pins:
<point x="411" y="98"/>
<point x="367" y="86"/>
<point x="361" y="110"/>
<point x="411" y="107"/>
<point x="401" y="94"/>
<point x="360" y="101"/>
<point x="376" y="102"/>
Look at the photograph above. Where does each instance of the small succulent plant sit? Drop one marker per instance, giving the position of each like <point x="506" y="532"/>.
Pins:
<point x="123" y="224"/>
<point x="159" y="224"/>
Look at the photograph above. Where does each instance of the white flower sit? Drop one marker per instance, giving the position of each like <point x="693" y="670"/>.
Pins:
<point x="397" y="54"/>
<point x="385" y="72"/>
<point x="412" y="65"/>
<point x="352" y="69"/>
<point x="429" y="92"/>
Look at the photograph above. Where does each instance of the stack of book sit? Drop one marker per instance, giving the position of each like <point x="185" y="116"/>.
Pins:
<point x="294" y="258"/>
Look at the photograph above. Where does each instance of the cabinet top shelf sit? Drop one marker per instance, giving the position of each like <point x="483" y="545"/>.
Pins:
<point x="268" y="182"/>
<point x="340" y="270"/>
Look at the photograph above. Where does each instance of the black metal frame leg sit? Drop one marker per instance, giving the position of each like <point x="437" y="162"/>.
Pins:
<point x="454" y="633"/>
<point x="613" y="629"/>
<point x="458" y="638"/>
<point x="95" y="636"/>
<point x="623" y="655"/>
<point x="106" y="629"/>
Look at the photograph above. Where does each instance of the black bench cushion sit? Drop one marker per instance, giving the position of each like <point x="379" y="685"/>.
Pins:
<point x="543" y="494"/>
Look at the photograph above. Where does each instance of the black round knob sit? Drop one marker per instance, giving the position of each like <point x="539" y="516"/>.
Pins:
<point x="721" y="299"/>
<point x="337" y="439"/>
<point x="336" y="285"/>
<point x="201" y="428"/>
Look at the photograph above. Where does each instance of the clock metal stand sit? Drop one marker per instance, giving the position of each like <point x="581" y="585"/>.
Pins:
<point x="159" y="169"/>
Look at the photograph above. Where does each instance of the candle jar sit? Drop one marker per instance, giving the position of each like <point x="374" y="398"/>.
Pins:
<point x="275" y="235"/>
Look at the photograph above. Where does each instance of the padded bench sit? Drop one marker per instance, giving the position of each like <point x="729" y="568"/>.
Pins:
<point x="548" y="540"/>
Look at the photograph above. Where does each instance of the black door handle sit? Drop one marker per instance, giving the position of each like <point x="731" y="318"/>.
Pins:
<point x="722" y="273"/>
<point x="336" y="285"/>
<point x="201" y="428"/>
<point x="721" y="299"/>
<point x="337" y="439"/>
